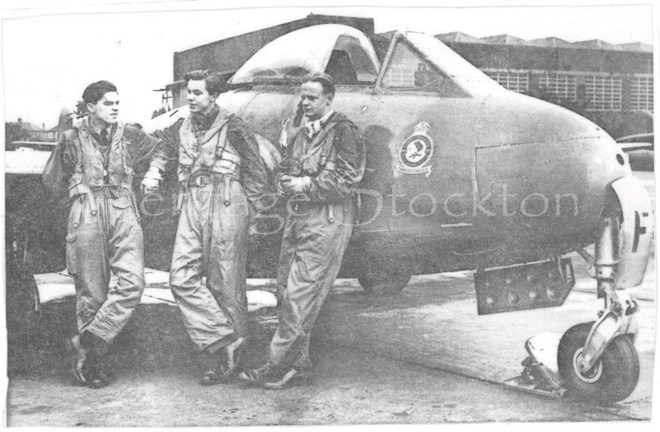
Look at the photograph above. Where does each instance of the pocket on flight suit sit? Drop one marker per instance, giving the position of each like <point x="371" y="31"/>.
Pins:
<point x="71" y="254"/>
<point x="121" y="203"/>
<point x="126" y="212"/>
<point x="319" y="242"/>
<point x="74" y="223"/>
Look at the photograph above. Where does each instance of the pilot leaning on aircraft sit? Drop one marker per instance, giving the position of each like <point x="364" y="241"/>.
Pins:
<point x="324" y="160"/>
<point x="221" y="177"/>
<point x="93" y="165"/>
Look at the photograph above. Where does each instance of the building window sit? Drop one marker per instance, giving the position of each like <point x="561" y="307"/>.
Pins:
<point x="603" y="92"/>
<point x="641" y="93"/>
<point x="514" y="81"/>
<point x="562" y="86"/>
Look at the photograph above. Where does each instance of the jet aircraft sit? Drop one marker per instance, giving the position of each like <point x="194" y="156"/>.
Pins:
<point x="461" y="175"/>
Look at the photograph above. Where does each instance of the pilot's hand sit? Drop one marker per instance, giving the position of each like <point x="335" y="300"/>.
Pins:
<point x="150" y="185"/>
<point x="151" y="181"/>
<point x="290" y="184"/>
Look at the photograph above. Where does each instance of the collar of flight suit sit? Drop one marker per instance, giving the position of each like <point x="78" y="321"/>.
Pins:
<point x="189" y="142"/>
<point x="99" y="131"/>
<point x="221" y="118"/>
<point x="88" y="131"/>
<point x="203" y="122"/>
<point x="313" y="127"/>
<point x="308" y="149"/>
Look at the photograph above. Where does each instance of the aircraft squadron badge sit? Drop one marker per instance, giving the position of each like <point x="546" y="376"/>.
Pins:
<point x="416" y="152"/>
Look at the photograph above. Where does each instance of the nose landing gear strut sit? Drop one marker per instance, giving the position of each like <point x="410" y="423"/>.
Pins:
<point x="597" y="361"/>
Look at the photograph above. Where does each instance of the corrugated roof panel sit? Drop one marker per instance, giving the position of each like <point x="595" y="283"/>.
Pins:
<point x="594" y="44"/>
<point x="635" y="46"/>
<point x="547" y="42"/>
<point x="458" y="37"/>
<point x="551" y="42"/>
<point x="504" y="39"/>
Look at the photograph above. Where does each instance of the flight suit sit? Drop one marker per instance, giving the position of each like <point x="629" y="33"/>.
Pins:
<point x="221" y="178"/>
<point x="318" y="227"/>
<point x="104" y="235"/>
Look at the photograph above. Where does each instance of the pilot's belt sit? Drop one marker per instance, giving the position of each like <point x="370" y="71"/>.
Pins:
<point x="105" y="191"/>
<point x="110" y="191"/>
<point x="204" y="178"/>
<point x="200" y="179"/>
<point x="89" y="196"/>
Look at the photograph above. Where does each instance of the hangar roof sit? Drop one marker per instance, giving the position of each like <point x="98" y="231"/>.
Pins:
<point x="504" y="39"/>
<point x="549" y="42"/>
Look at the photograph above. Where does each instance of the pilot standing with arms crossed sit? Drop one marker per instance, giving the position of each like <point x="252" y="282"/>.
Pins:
<point x="93" y="165"/>
<point x="324" y="160"/>
<point x="221" y="178"/>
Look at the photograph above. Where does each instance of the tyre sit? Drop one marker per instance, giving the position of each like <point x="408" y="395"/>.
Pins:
<point x="612" y="379"/>
<point x="383" y="284"/>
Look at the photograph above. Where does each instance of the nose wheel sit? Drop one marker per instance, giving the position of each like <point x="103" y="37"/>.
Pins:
<point x="597" y="361"/>
<point x="612" y="378"/>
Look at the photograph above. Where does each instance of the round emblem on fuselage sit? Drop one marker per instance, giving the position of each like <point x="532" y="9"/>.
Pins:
<point x="416" y="152"/>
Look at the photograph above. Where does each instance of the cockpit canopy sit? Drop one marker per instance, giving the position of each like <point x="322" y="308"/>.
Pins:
<point x="415" y="62"/>
<point x="435" y="58"/>
<point x="342" y="51"/>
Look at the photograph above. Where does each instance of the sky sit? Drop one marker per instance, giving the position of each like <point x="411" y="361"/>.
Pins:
<point x="52" y="50"/>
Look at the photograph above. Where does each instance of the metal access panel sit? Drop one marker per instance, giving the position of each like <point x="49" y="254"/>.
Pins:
<point x="526" y="286"/>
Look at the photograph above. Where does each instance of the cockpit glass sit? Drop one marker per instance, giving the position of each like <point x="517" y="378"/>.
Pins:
<point x="351" y="62"/>
<point x="453" y="66"/>
<point x="311" y="50"/>
<point x="407" y="70"/>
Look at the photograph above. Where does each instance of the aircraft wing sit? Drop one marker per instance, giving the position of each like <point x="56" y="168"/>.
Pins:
<point x="26" y="161"/>
<point x="58" y="287"/>
<point x="643" y="141"/>
<point x="632" y="146"/>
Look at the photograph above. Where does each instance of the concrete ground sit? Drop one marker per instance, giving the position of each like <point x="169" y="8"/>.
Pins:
<point x="421" y="357"/>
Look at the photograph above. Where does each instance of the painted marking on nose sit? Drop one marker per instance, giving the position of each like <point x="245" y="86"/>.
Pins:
<point x="639" y="230"/>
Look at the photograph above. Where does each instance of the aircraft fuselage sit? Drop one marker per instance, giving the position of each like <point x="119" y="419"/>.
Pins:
<point x="462" y="182"/>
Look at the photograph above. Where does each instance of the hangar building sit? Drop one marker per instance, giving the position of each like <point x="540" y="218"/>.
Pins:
<point x="610" y="84"/>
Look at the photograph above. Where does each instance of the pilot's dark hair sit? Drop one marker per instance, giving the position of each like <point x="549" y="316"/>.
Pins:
<point x="214" y="83"/>
<point x="95" y="91"/>
<point x="326" y="82"/>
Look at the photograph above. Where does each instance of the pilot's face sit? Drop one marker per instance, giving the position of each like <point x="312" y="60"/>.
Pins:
<point x="315" y="104"/>
<point x="106" y="109"/>
<point x="200" y="101"/>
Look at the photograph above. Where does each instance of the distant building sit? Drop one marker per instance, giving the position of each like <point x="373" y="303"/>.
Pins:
<point x="25" y="131"/>
<point x="610" y="84"/>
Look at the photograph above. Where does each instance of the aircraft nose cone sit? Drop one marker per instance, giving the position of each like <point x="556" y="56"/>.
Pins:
<point x="544" y="169"/>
